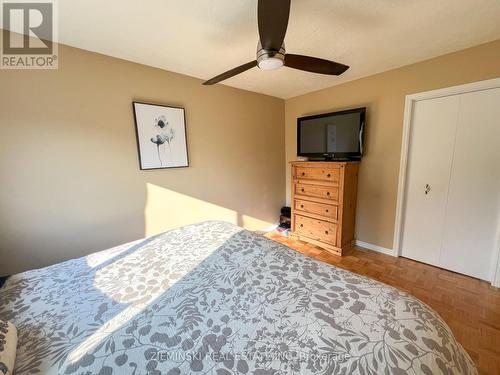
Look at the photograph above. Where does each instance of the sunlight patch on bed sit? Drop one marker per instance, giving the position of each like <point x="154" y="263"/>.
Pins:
<point x="101" y="257"/>
<point x="115" y="282"/>
<point x="138" y="279"/>
<point x="105" y="331"/>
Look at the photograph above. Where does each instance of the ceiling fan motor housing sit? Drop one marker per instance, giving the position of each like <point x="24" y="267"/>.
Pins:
<point x="270" y="59"/>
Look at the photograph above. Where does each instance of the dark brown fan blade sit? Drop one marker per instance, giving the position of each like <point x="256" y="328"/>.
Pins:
<point x="315" y="65"/>
<point x="273" y="21"/>
<point x="231" y="73"/>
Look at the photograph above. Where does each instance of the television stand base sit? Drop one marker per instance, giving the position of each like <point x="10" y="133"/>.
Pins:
<point x="330" y="158"/>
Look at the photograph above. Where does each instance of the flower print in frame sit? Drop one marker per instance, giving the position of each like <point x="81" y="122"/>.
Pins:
<point x="161" y="136"/>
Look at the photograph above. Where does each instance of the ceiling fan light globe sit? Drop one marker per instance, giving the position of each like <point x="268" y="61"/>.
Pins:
<point x="271" y="63"/>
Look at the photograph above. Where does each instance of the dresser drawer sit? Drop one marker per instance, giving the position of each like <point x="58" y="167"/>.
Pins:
<point x="321" y="174"/>
<point x="318" y="191"/>
<point x="317" y="229"/>
<point x="317" y="208"/>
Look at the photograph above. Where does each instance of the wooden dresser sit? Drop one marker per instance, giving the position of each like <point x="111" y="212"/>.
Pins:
<point x="324" y="203"/>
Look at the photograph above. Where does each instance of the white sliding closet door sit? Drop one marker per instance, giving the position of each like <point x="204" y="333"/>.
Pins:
<point x="429" y="164"/>
<point x="472" y="216"/>
<point x="451" y="215"/>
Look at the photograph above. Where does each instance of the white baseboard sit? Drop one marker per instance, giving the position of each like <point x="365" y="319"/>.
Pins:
<point x="376" y="248"/>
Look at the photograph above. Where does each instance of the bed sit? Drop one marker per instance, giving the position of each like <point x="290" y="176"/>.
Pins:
<point x="215" y="298"/>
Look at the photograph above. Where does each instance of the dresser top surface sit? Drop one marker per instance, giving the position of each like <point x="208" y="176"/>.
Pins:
<point x="322" y="163"/>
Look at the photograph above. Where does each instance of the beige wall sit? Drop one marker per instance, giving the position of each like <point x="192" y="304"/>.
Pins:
<point x="383" y="95"/>
<point x="70" y="181"/>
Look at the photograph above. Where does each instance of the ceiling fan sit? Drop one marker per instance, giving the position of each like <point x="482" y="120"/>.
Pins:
<point x="271" y="54"/>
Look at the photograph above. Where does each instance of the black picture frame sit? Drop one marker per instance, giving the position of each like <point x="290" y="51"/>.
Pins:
<point x="140" y="138"/>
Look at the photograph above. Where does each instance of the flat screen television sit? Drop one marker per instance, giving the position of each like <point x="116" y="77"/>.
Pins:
<point x="332" y="136"/>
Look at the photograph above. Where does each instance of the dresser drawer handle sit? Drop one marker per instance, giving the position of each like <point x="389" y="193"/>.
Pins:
<point x="328" y="175"/>
<point x="326" y="232"/>
<point x="303" y="173"/>
<point x="302" y="190"/>
<point x="301" y="206"/>
<point x="328" y="193"/>
<point x="301" y="225"/>
<point x="327" y="211"/>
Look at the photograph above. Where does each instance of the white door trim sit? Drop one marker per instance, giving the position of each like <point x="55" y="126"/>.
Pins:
<point x="410" y="101"/>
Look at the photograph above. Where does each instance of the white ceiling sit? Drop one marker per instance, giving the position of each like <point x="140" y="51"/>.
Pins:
<point x="203" y="38"/>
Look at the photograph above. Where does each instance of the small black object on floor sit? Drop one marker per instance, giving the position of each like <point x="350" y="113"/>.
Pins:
<point x="285" y="217"/>
<point x="3" y="279"/>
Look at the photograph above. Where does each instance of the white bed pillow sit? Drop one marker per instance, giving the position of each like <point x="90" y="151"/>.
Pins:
<point x="8" y="345"/>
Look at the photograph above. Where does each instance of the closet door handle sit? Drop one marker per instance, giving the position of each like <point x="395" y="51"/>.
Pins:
<point x="427" y="189"/>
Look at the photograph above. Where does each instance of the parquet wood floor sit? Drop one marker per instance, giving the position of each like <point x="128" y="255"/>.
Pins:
<point x="470" y="307"/>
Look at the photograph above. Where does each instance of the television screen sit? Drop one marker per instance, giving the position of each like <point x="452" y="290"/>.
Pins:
<point x="338" y="135"/>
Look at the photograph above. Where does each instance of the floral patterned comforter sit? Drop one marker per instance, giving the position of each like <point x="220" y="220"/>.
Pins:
<point x="214" y="298"/>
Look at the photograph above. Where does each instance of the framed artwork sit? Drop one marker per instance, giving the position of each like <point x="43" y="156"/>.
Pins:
<point x="161" y="136"/>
